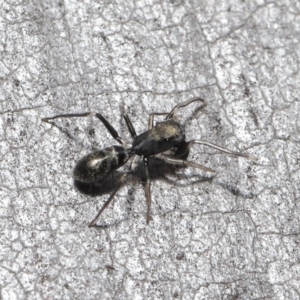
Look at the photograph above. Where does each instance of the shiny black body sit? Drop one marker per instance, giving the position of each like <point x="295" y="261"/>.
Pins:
<point x="165" y="135"/>
<point x="162" y="137"/>
<point x="95" y="165"/>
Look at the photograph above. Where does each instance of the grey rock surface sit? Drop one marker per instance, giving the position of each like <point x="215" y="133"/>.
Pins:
<point x="233" y="236"/>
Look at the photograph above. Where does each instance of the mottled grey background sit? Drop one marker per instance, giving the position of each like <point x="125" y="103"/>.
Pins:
<point x="233" y="237"/>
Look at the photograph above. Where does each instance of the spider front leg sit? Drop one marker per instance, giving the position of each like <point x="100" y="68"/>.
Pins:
<point x="183" y="162"/>
<point x="108" y="126"/>
<point x="184" y="150"/>
<point x="171" y="113"/>
<point x="183" y="104"/>
<point x="151" y="119"/>
<point x="147" y="190"/>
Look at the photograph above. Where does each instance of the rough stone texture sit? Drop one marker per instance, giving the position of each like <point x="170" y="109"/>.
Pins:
<point x="233" y="237"/>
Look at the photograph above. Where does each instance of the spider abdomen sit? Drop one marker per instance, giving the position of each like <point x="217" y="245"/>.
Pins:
<point x="97" y="164"/>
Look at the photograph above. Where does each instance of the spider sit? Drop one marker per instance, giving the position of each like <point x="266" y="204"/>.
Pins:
<point x="159" y="138"/>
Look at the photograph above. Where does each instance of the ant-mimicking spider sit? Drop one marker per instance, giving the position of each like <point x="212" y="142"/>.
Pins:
<point x="165" y="135"/>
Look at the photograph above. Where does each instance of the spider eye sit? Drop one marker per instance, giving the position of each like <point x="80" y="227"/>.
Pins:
<point x="103" y="165"/>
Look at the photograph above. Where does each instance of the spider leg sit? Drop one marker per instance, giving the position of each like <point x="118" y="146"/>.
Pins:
<point x="147" y="190"/>
<point x="108" y="126"/>
<point x="183" y="162"/>
<point x="106" y="203"/>
<point x="151" y="118"/>
<point x="183" y="150"/>
<point x="183" y="104"/>
<point x="170" y="114"/>
<point x="130" y="126"/>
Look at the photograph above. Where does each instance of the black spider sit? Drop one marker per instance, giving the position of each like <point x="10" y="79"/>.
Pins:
<point x="165" y="135"/>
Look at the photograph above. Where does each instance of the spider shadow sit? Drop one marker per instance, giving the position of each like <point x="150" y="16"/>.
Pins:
<point x="159" y="170"/>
